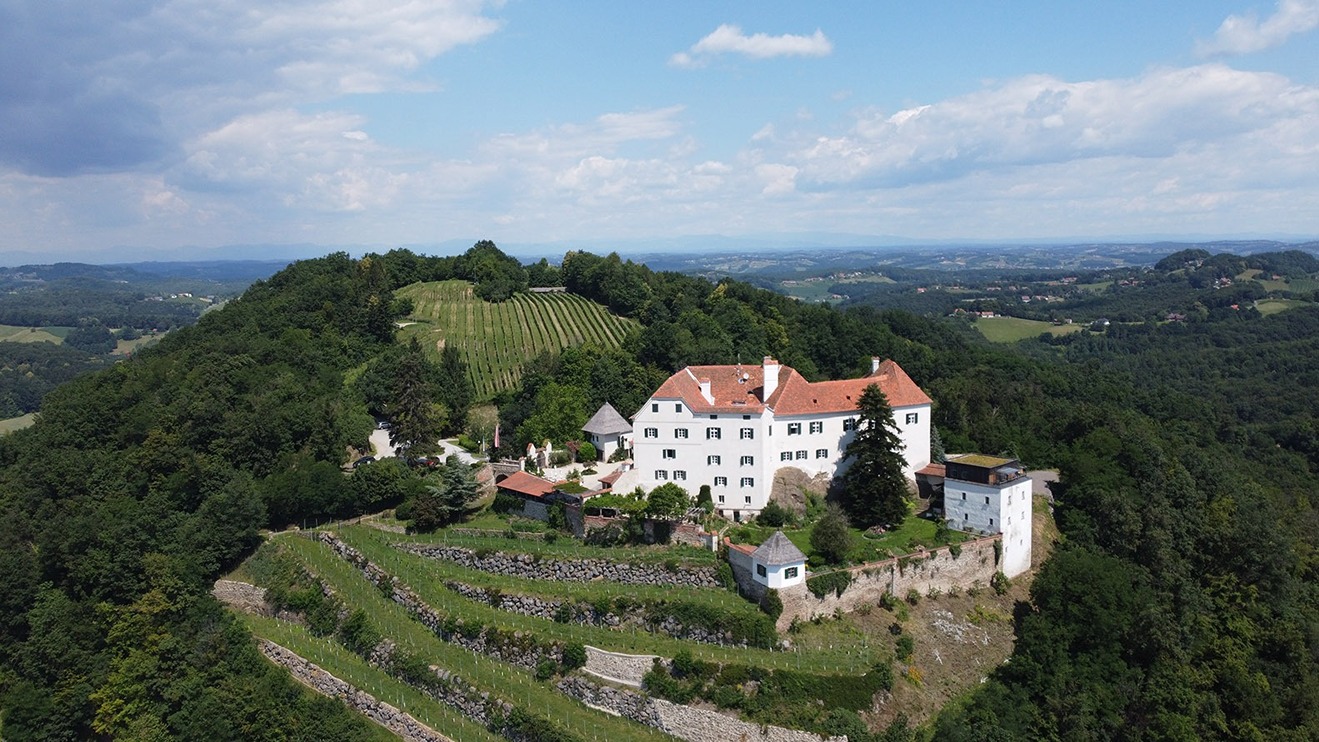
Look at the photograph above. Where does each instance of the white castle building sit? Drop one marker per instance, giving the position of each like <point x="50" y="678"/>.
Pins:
<point x="733" y="428"/>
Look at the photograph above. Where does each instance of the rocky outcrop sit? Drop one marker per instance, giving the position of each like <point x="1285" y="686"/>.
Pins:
<point x="396" y="721"/>
<point x="684" y="722"/>
<point x="791" y="485"/>
<point x="242" y="597"/>
<point x="532" y="567"/>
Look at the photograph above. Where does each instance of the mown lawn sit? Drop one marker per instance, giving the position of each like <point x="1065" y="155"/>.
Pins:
<point x="1274" y="306"/>
<point x="913" y="532"/>
<point x="1014" y="329"/>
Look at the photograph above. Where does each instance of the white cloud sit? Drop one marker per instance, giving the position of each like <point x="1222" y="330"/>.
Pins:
<point x="117" y="86"/>
<point x="1040" y="119"/>
<point x="778" y="179"/>
<point x="320" y="162"/>
<point x="1244" y="34"/>
<point x="603" y="135"/>
<point x="729" y="39"/>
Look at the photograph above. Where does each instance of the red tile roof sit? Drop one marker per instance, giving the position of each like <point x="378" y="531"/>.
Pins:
<point x="747" y="549"/>
<point x="738" y="389"/>
<point x="933" y="470"/>
<point x="526" y="484"/>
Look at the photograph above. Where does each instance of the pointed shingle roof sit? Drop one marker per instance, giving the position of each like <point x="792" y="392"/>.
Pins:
<point x="778" y="550"/>
<point x="607" y="421"/>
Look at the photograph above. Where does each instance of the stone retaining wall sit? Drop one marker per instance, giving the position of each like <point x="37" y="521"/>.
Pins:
<point x="567" y="570"/>
<point x="683" y="722"/>
<point x="397" y="722"/>
<point x="923" y="572"/>
<point x="624" y="669"/>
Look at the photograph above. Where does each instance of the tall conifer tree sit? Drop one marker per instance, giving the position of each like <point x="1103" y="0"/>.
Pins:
<point x="874" y="487"/>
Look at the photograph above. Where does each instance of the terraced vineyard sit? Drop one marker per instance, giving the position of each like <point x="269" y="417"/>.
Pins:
<point x="504" y="673"/>
<point x="497" y="339"/>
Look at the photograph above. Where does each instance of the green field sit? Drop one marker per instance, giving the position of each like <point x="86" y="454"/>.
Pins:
<point x="497" y="339"/>
<point x="816" y="291"/>
<point x="17" y="423"/>
<point x="1273" y="306"/>
<point x="1285" y="284"/>
<point x="1012" y="329"/>
<point x="14" y="334"/>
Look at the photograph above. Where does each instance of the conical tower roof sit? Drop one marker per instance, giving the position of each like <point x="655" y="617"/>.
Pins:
<point x="778" y="550"/>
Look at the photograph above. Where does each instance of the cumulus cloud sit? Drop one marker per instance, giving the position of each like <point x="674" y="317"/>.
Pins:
<point x="114" y="86"/>
<point x="603" y="135"/>
<point x="321" y="162"/>
<point x="1244" y="34"/>
<point x="729" y="39"/>
<point x="1040" y="119"/>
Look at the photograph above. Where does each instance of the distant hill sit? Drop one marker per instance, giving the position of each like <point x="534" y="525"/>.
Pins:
<point x="496" y="339"/>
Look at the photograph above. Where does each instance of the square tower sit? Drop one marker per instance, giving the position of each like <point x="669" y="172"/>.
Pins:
<point x="987" y="494"/>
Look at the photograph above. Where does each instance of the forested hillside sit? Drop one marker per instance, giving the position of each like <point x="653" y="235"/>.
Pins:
<point x="1181" y="604"/>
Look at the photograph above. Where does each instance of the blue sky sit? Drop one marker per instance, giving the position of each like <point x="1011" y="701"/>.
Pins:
<point x="133" y="128"/>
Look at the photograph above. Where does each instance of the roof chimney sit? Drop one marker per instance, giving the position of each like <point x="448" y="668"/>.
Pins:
<point x="771" y="367"/>
<point x="874" y="365"/>
<point x="705" y="390"/>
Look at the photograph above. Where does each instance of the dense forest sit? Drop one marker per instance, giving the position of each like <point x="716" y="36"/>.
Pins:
<point x="1181" y="603"/>
<point x="28" y="371"/>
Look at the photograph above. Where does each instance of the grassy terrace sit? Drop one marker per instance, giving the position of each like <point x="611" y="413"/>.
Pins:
<point x="566" y="548"/>
<point x="913" y="532"/>
<point x="842" y="653"/>
<point x="345" y="665"/>
<point x="502" y="680"/>
<point x="373" y="542"/>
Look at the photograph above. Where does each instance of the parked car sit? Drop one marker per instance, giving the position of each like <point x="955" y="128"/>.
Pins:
<point x="363" y="460"/>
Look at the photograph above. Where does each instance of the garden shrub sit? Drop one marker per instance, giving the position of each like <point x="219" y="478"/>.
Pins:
<point x="830" y="582"/>
<point x="775" y="515"/>
<point x="574" y="656"/>
<point x="772" y="604"/>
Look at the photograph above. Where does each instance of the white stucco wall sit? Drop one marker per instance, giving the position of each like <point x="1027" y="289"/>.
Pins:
<point x="776" y="575"/>
<point x="690" y="465"/>
<point x="1006" y="509"/>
